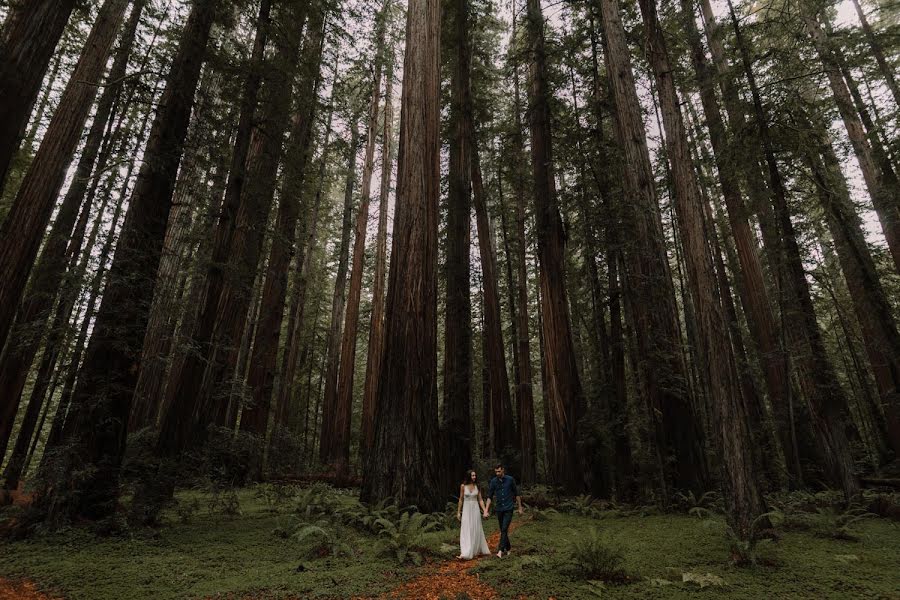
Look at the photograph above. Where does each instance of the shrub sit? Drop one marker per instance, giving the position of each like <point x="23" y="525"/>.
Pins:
<point x="326" y="540"/>
<point x="404" y="539"/>
<point x="593" y="559"/>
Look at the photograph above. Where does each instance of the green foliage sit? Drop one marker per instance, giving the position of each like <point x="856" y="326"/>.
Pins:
<point x="186" y="509"/>
<point x="404" y="539"/>
<point x="745" y="550"/>
<point x="314" y="501"/>
<point x="584" y="506"/>
<point x="593" y="559"/>
<point x="327" y="540"/>
<point x="224" y="500"/>
<point x="701" y="507"/>
<point x="274" y="495"/>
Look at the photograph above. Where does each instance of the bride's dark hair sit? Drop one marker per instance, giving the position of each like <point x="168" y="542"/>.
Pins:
<point x="468" y="478"/>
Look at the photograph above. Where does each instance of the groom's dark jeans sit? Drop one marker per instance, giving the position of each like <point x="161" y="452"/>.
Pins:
<point x="505" y="518"/>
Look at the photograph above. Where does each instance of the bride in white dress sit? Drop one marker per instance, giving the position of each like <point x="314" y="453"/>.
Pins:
<point x="471" y="531"/>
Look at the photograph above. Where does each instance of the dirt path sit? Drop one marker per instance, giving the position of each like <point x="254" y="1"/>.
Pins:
<point x="452" y="577"/>
<point x="21" y="590"/>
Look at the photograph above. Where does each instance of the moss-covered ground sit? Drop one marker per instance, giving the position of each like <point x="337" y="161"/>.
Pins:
<point x="249" y="547"/>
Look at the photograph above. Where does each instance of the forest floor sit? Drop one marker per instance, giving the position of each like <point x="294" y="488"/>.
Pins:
<point x="255" y="543"/>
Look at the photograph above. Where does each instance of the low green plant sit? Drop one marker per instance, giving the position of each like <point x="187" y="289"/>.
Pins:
<point x="592" y="559"/>
<point x="314" y="501"/>
<point x="186" y="509"/>
<point x="745" y="549"/>
<point x="583" y="505"/>
<point x="327" y="541"/>
<point x="700" y="507"/>
<point x="224" y="500"/>
<point x="404" y="539"/>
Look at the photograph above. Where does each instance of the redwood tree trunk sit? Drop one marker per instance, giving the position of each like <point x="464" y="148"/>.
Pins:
<point x="30" y="34"/>
<point x="261" y="379"/>
<point x="338" y="302"/>
<point x="376" y="324"/>
<point x="23" y="228"/>
<point x="339" y="452"/>
<point x="821" y="388"/>
<point x="192" y="402"/>
<point x="714" y="355"/>
<point x="405" y="460"/>
<point x="753" y="292"/>
<point x="873" y="311"/>
<point x="457" y="389"/>
<point x="881" y="181"/>
<point x="524" y="387"/>
<point x="112" y="361"/>
<point x="50" y="269"/>
<point x="503" y="432"/>
<point x="564" y="394"/>
<point x="663" y="378"/>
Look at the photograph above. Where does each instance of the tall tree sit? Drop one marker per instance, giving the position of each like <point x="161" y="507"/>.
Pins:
<point x="457" y="385"/>
<point x="564" y="393"/>
<point x="339" y="452"/>
<point x="23" y="228"/>
<point x="29" y="36"/>
<point x="647" y="280"/>
<point x="524" y="388"/>
<point x="50" y="269"/>
<point x="192" y="403"/>
<point x="881" y="181"/>
<point x="261" y="378"/>
<point x="376" y="318"/>
<point x="873" y="311"/>
<point x="751" y="282"/>
<point x="102" y="401"/>
<point x="714" y="354"/>
<point x="823" y="393"/>
<point x="404" y="462"/>
<point x="339" y="299"/>
<point x="151" y="387"/>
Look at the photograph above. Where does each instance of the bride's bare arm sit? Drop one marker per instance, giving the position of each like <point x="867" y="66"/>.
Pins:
<point x="481" y="502"/>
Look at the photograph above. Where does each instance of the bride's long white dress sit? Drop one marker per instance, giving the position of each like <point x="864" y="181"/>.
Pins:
<point x="471" y="531"/>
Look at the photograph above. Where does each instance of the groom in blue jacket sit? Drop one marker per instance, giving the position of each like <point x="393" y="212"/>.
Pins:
<point x="503" y="487"/>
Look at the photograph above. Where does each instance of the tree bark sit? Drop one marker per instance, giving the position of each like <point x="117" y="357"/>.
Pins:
<point x="375" y="352"/>
<point x="23" y="228"/>
<point x="112" y="360"/>
<point x="873" y="311"/>
<point x="524" y="386"/>
<point x="338" y="455"/>
<point x="50" y="269"/>
<point x="753" y="291"/>
<point x="338" y="302"/>
<point x="405" y="461"/>
<point x="714" y="354"/>
<point x="30" y="34"/>
<point x="192" y="399"/>
<point x="261" y="379"/>
<point x="676" y="434"/>
<point x="881" y="181"/>
<point x="457" y="385"/>
<point x="564" y="394"/>
<point x="821" y="388"/>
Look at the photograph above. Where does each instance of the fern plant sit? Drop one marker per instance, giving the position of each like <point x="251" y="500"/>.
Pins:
<point x="594" y="560"/>
<point x="404" y="539"/>
<point x="326" y="540"/>
<point x="745" y="550"/>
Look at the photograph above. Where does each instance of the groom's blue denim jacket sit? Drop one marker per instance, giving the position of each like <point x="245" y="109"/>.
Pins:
<point x="506" y="491"/>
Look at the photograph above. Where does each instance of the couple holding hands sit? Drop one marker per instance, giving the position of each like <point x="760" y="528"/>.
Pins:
<point x="472" y="542"/>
